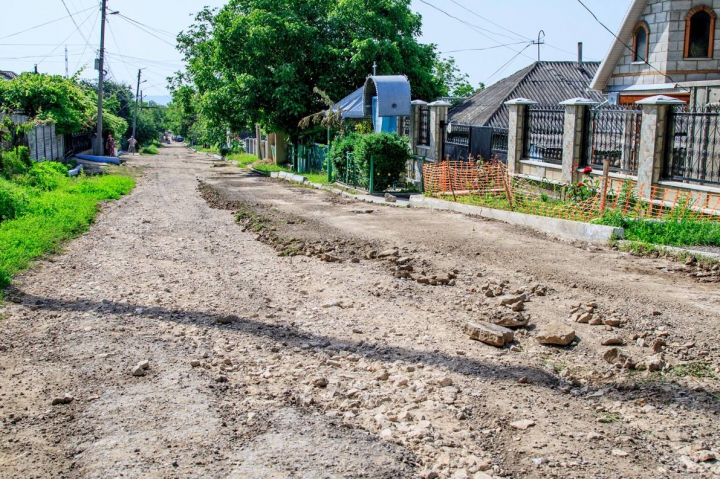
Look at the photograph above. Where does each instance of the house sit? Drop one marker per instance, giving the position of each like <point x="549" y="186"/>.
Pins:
<point x="668" y="47"/>
<point x="546" y="82"/>
<point x="7" y="75"/>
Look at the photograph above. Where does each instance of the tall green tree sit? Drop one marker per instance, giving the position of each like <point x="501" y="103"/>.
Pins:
<point x="257" y="61"/>
<point x="453" y="82"/>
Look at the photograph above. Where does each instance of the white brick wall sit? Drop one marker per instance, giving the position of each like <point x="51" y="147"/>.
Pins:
<point x="666" y="19"/>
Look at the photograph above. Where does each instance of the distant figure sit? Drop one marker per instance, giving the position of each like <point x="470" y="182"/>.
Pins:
<point x="132" y="143"/>
<point x="110" y="146"/>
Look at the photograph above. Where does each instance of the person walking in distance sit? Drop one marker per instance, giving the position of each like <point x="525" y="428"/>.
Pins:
<point x="132" y="144"/>
<point x="110" y="146"/>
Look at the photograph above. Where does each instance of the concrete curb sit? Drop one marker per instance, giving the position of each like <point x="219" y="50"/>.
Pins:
<point x="282" y="175"/>
<point x="559" y="227"/>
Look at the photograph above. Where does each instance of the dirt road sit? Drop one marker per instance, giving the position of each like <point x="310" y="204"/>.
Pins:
<point x="282" y="346"/>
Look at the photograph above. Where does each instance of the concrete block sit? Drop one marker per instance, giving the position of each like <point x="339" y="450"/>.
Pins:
<point x="555" y="226"/>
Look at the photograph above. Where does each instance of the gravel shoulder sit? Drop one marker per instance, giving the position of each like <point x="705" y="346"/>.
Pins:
<point x="281" y="345"/>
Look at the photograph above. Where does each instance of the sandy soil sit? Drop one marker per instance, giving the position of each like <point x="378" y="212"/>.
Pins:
<point x="281" y="346"/>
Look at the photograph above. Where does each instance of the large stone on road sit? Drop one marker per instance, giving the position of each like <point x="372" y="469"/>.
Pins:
<point x="488" y="333"/>
<point x="555" y="333"/>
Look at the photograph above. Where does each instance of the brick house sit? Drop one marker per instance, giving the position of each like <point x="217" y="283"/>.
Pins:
<point x="668" y="47"/>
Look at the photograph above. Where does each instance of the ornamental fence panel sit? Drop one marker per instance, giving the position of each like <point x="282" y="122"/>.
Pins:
<point x="613" y="133"/>
<point x="693" y="152"/>
<point x="544" y="135"/>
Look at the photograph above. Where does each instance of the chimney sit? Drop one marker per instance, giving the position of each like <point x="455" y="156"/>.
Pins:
<point x="580" y="56"/>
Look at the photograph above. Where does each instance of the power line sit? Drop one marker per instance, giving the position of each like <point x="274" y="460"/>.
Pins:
<point x="136" y="25"/>
<point x="63" y="42"/>
<point x="43" y="24"/>
<point x="625" y="44"/>
<point x="88" y="42"/>
<point x="474" y="27"/>
<point x="482" y="49"/>
<point x="73" y="20"/>
<point x="508" y="62"/>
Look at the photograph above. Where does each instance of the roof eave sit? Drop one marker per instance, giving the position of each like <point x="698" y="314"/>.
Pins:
<point x="600" y="81"/>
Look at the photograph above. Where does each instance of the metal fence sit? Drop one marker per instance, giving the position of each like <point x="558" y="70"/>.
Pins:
<point x="424" y="126"/>
<point x="613" y="133"/>
<point x="309" y="158"/>
<point x="500" y="140"/>
<point x="544" y="134"/>
<point x="693" y="153"/>
<point x="459" y="135"/>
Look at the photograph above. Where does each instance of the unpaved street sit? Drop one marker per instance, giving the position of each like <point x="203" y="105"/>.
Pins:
<point x="281" y="345"/>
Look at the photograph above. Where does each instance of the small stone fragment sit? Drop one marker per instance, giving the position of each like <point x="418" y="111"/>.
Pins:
<point x="613" y="341"/>
<point x="619" y="453"/>
<point x="523" y="424"/>
<point x="138" y="371"/>
<point x="320" y="382"/>
<point x="66" y="399"/>
<point x="195" y="363"/>
<point x="226" y="319"/>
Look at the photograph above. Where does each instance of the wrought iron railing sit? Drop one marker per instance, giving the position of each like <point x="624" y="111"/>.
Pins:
<point x="613" y="133"/>
<point x="424" y="126"/>
<point x="544" y="133"/>
<point x="500" y="140"/>
<point x="459" y="135"/>
<point x="693" y="152"/>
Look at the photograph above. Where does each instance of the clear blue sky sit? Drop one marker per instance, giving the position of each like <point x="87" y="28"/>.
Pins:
<point x="565" y="23"/>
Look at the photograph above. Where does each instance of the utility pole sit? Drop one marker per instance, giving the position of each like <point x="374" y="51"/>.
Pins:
<point x="137" y="97"/>
<point x="67" y="69"/>
<point x="540" y="41"/>
<point x="101" y="78"/>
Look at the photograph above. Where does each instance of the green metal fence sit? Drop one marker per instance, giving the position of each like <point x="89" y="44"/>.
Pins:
<point x="309" y="158"/>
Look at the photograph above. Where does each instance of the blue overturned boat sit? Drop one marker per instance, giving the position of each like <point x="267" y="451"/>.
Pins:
<point x="113" y="160"/>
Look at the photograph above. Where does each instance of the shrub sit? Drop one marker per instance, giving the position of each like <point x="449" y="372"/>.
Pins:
<point x="46" y="175"/>
<point x="13" y="200"/>
<point x="340" y="149"/>
<point x="390" y="155"/>
<point x="15" y="162"/>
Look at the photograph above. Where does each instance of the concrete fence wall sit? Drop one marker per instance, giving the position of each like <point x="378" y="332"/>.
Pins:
<point x="651" y="156"/>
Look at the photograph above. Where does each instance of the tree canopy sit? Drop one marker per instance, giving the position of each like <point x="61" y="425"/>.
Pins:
<point x="258" y="61"/>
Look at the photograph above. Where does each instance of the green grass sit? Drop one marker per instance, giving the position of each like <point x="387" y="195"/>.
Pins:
<point x="51" y="217"/>
<point x="317" y="178"/>
<point x="149" y="150"/>
<point x="243" y="160"/>
<point x="682" y="232"/>
<point x="207" y="150"/>
<point x="268" y="168"/>
<point x="695" y="369"/>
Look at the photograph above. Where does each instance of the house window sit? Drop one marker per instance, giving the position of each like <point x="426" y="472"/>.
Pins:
<point x="700" y="32"/>
<point x="641" y="42"/>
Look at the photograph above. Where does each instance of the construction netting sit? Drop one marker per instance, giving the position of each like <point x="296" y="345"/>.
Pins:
<point x="489" y="184"/>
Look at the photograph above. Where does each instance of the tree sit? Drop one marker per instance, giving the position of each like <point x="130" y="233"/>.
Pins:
<point x="258" y="61"/>
<point x="50" y="98"/>
<point x="454" y="82"/>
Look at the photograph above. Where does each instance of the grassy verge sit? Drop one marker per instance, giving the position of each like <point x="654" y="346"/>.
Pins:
<point x="207" y="150"/>
<point x="151" y="148"/>
<point x="673" y="232"/>
<point x="48" y="217"/>
<point x="243" y="160"/>
<point x="270" y="168"/>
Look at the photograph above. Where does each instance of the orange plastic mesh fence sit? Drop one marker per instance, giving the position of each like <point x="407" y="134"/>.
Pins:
<point x="490" y="184"/>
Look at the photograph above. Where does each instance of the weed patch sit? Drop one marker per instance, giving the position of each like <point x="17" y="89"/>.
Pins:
<point x="696" y="369"/>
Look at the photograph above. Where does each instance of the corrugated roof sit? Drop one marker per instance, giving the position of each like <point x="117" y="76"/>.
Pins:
<point x="352" y="105"/>
<point x="548" y="83"/>
<point x="7" y="75"/>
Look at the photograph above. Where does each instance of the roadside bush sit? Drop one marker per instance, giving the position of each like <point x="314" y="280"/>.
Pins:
<point x="339" y="151"/>
<point x="13" y="200"/>
<point x="15" y="162"/>
<point x="46" y="175"/>
<point x="389" y="153"/>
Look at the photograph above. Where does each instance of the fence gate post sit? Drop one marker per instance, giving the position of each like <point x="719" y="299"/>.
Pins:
<point x="653" y="136"/>
<point x="517" y="130"/>
<point x="576" y="111"/>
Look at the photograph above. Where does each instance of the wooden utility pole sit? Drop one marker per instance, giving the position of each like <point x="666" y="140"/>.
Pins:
<point x="137" y="97"/>
<point x="101" y="78"/>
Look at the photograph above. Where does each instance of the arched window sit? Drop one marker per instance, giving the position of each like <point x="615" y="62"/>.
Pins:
<point x="700" y="32"/>
<point x="641" y="42"/>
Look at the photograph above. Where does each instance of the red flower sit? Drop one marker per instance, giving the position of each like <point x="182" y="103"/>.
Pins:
<point x="588" y="169"/>
<point x="581" y="184"/>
